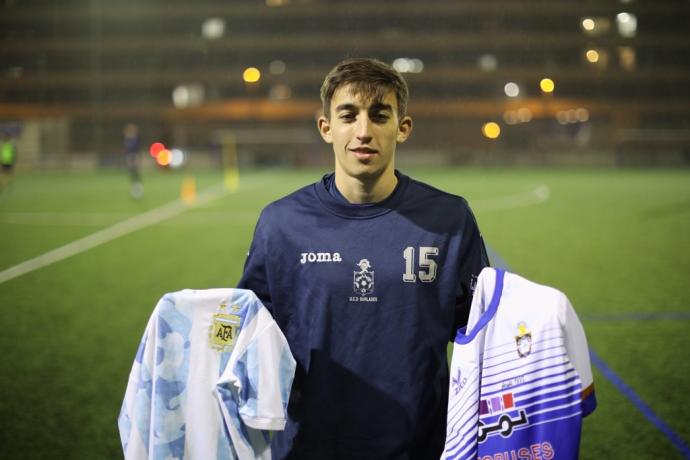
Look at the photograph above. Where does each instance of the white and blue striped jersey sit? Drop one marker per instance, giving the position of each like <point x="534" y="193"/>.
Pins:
<point x="521" y="379"/>
<point x="211" y="379"/>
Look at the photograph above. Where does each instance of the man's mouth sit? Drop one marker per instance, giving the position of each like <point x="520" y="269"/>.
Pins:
<point x="363" y="152"/>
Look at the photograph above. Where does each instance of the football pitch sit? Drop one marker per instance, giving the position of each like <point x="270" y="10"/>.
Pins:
<point x="82" y="265"/>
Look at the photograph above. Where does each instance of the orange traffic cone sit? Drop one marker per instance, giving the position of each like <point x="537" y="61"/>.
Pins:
<point x="188" y="191"/>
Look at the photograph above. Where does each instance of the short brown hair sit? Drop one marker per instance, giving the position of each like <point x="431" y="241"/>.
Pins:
<point x="370" y="78"/>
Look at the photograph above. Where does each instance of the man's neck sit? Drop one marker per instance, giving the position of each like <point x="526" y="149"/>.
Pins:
<point x="358" y="191"/>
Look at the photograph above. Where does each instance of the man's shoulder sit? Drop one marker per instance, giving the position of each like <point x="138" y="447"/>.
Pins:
<point x="423" y="191"/>
<point x="299" y="199"/>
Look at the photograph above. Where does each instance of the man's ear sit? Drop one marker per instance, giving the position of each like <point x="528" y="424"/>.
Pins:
<point x="404" y="129"/>
<point x="325" y="129"/>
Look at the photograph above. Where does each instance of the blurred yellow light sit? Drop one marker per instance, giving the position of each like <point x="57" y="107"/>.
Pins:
<point x="588" y="24"/>
<point x="163" y="158"/>
<point x="491" y="130"/>
<point x="251" y="75"/>
<point x="547" y="85"/>
<point x="592" y="56"/>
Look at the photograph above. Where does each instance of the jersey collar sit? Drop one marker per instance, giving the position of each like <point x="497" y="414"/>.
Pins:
<point x="360" y="211"/>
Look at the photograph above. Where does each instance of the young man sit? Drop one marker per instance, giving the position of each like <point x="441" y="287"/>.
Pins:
<point x="368" y="273"/>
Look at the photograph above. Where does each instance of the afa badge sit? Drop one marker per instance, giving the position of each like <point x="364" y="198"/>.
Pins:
<point x="523" y="340"/>
<point x="225" y="327"/>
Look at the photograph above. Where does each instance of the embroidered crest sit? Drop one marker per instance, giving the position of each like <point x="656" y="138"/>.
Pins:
<point x="364" y="278"/>
<point x="523" y="340"/>
<point x="224" y="328"/>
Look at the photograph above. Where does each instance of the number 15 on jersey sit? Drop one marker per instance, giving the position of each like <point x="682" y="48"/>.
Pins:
<point x="427" y="265"/>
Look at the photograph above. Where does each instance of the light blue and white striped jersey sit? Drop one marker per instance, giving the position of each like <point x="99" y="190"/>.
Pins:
<point x="521" y="379"/>
<point x="210" y="380"/>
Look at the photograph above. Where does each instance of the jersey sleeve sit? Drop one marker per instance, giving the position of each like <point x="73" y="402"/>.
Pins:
<point x="254" y="388"/>
<point x="135" y="412"/>
<point x="267" y="369"/>
<point x="578" y="353"/>
<point x="255" y="274"/>
<point x="138" y="414"/>
<point x="473" y="258"/>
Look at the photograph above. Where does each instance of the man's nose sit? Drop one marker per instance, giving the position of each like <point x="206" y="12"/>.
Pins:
<point x="363" y="129"/>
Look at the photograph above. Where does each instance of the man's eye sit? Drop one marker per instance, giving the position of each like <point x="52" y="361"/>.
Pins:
<point x="380" y="117"/>
<point x="347" y="116"/>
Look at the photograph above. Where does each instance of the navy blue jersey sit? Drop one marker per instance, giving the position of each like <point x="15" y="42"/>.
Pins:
<point x="368" y="297"/>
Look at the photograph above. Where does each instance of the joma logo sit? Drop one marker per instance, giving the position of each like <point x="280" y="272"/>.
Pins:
<point x="317" y="257"/>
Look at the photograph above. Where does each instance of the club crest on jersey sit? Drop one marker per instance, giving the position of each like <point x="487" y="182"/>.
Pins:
<point x="523" y="340"/>
<point x="364" y="278"/>
<point x="224" y="328"/>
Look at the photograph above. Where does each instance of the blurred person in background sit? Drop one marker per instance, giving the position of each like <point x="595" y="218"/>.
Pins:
<point x="369" y="273"/>
<point x="8" y="158"/>
<point x="131" y="148"/>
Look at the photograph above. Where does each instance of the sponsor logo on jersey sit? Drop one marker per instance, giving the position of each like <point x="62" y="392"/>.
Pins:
<point x="458" y="382"/>
<point x="523" y="340"/>
<point x="503" y="404"/>
<point x="319" y="257"/>
<point x="224" y="328"/>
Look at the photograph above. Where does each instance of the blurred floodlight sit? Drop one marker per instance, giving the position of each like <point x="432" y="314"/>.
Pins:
<point x="627" y="57"/>
<point x="595" y="26"/>
<point x="251" y="75"/>
<point x="547" y="85"/>
<point x="571" y="115"/>
<point x="582" y="114"/>
<point x="188" y="95"/>
<point x="402" y="65"/>
<point x="524" y="115"/>
<point x="279" y="92"/>
<point x="155" y="148"/>
<point x="592" y="56"/>
<point x="487" y="62"/>
<point x="627" y="24"/>
<point x="408" y="65"/>
<point x="277" y="67"/>
<point x="511" y="89"/>
<point x="176" y="158"/>
<point x="510" y="117"/>
<point x="588" y="24"/>
<point x="491" y="130"/>
<point x="579" y="115"/>
<point x="213" y="28"/>
<point x="277" y="2"/>
<point x="597" y="57"/>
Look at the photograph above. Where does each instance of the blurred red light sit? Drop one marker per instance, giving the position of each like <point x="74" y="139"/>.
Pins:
<point x="156" y="148"/>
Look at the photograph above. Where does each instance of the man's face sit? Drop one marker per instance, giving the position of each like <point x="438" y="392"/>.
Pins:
<point x="364" y="133"/>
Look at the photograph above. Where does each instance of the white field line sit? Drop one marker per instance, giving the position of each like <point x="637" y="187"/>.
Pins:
<point x="52" y="219"/>
<point x="538" y="195"/>
<point x="177" y="207"/>
<point x="117" y="230"/>
<point x="518" y="200"/>
<point x="81" y="219"/>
